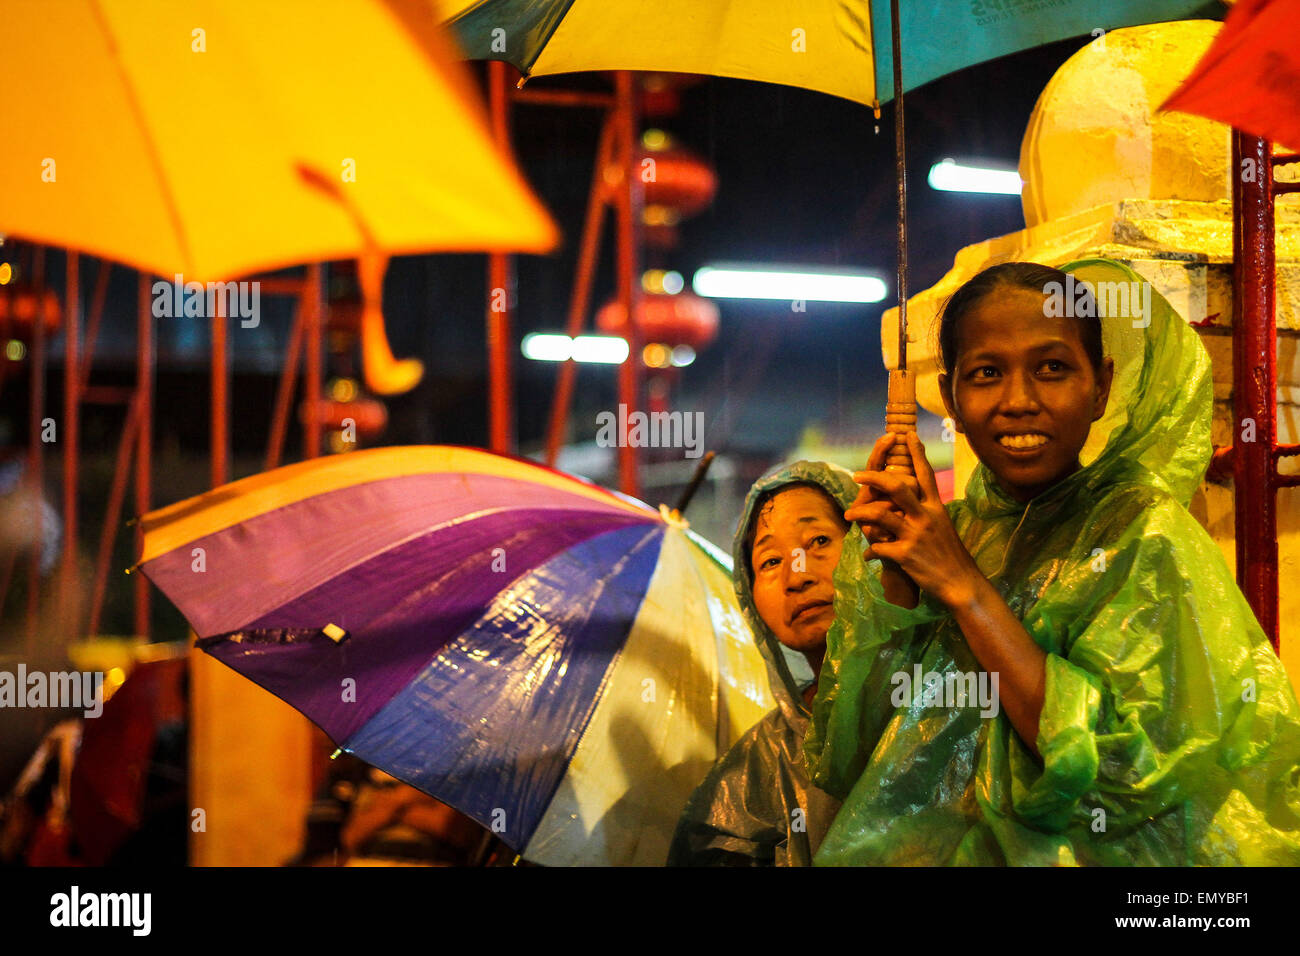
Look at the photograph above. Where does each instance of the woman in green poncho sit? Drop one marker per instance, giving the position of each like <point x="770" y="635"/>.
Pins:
<point x="1140" y="717"/>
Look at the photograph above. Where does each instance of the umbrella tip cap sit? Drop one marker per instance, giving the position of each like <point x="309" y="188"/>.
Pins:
<point x="673" y="517"/>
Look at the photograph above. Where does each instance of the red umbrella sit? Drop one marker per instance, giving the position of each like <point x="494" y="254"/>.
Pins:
<point x="1250" y="76"/>
<point x="112" y="768"/>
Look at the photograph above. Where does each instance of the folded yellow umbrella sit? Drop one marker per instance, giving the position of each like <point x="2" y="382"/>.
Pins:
<point x="192" y="137"/>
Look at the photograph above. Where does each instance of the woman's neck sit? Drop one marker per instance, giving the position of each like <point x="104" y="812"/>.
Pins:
<point x="814" y="658"/>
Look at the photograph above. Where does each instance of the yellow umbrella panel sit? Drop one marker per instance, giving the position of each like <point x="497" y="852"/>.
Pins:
<point x="173" y="136"/>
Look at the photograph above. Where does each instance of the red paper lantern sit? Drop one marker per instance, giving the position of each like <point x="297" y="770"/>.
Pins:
<point x="369" y="416"/>
<point x="681" y="319"/>
<point x="678" y="180"/>
<point x="19" y="306"/>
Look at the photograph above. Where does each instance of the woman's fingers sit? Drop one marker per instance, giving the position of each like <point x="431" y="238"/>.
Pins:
<point x="876" y="515"/>
<point x="929" y="487"/>
<point x="875" y="462"/>
<point x="903" y="490"/>
<point x="879" y="452"/>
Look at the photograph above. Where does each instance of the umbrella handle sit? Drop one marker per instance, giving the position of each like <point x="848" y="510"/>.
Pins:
<point x="384" y="374"/>
<point x="700" y="470"/>
<point x="900" y="418"/>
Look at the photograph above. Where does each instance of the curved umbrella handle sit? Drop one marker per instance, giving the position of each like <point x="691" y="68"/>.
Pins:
<point x="900" y="418"/>
<point x="384" y="374"/>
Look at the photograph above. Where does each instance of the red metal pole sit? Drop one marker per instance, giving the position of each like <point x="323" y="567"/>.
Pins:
<point x="70" y="606"/>
<point x="311" y="313"/>
<point x="500" y="281"/>
<point x="36" y="447"/>
<point x="284" y="394"/>
<point x="563" y="98"/>
<point x="591" y="231"/>
<point x="92" y="321"/>
<point x="629" y="211"/>
<point x="144" y="434"/>
<point x="1254" y="378"/>
<point x="220" y="387"/>
<point x="113" y="514"/>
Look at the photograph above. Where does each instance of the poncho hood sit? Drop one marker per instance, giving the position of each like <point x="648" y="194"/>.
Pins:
<point x="1156" y="429"/>
<point x="839" y="484"/>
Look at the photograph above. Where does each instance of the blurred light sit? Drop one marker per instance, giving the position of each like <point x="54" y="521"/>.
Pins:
<point x="602" y="349"/>
<point x="951" y="176"/>
<point x="343" y="389"/>
<point x="655" y="140"/>
<point x="653" y="215"/>
<point x="6" y="273"/>
<point x="683" y="355"/>
<point x="656" y="356"/>
<point x="551" y="347"/>
<point x="114" y="679"/>
<point x="543" y="347"/>
<point x="15" y="350"/>
<point x="657" y="281"/>
<point x="742" y="283"/>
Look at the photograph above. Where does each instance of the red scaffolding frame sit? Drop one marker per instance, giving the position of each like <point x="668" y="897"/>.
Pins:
<point x="1254" y="464"/>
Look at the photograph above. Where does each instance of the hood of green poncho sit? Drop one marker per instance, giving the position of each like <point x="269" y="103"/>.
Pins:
<point x="837" y="483"/>
<point x="1156" y="429"/>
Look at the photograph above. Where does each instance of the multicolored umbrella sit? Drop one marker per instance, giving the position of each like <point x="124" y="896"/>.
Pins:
<point x="841" y="47"/>
<point x="559" y="662"/>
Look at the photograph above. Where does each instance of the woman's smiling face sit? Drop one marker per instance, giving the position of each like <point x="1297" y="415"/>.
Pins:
<point x="1023" y="391"/>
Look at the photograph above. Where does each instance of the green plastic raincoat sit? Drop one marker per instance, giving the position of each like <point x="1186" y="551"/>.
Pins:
<point x="744" y="813"/>
<point x="1169" y="734"/>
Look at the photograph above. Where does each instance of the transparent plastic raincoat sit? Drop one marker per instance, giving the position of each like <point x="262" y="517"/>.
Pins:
<point x="756" y="807"/>
<point x="1169" y="734"/>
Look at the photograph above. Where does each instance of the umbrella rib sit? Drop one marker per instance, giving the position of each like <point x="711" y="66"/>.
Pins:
<point x="151" y="149"/>
<point x="550" y="33"/>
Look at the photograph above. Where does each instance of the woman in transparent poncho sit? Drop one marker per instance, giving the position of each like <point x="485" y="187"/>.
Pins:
<point x="1143" y="717"/>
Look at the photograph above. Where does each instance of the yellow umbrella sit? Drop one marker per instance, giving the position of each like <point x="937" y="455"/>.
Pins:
<point x="192" y="137"/>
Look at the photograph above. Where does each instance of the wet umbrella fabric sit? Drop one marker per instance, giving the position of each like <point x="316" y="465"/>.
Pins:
<point x="841" y="47"/>
<point x="174" y="137"/>
<point x="559" y="662"/>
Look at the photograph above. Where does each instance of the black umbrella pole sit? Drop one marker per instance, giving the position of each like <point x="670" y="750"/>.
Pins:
<point x="696" y="480"/>
<point x="900" y="408"/>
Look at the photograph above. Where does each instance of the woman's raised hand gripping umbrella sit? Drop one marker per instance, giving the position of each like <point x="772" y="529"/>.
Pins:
<point x="926" y="552"/>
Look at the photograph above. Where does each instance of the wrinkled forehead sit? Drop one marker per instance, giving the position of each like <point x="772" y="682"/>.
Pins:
<point x="798" y="504"/>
